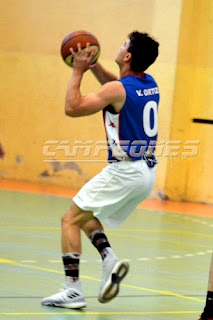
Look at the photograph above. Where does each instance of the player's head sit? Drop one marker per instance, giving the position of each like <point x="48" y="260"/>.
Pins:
<point x="144" y="51"/>
<point x="140" y="51"/>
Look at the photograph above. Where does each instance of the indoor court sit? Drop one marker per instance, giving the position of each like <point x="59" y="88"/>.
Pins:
<point x="56" y="128"/>
<point x="169" y="253"/>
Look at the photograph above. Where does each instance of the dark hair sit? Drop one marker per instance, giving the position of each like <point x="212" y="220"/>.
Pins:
<point x="144" y="51"/>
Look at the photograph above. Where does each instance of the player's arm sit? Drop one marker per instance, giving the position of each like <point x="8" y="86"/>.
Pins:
<point x="101" y="74"/>
<point x="2" y="152"/>
<point x="77" y="105"/>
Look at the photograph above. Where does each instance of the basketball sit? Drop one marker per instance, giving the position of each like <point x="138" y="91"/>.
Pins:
<point x="71" y="41"/>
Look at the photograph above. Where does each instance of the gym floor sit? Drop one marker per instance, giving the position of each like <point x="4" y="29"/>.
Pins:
<point x="168" y="245"/>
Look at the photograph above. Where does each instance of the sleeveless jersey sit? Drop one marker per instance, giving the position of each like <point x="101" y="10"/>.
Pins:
<point x="131" y="131"/>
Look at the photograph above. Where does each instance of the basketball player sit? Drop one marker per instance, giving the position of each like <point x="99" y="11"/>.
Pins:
<point x="208" y="310"/>
<point x="2" y="152"/>
<point x="130" y="107"/>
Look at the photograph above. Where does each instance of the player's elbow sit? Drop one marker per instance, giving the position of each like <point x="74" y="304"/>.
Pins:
<point x="71" y="110"/>
<point x="70" y="113"/>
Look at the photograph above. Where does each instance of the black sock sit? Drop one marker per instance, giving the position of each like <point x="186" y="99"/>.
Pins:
<point x="71" y="267"/>
<point x="208" y="310"/>
<point x="100" y="241"/>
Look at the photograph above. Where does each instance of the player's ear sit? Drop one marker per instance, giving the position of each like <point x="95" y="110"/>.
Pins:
<point x="128" y="57"/>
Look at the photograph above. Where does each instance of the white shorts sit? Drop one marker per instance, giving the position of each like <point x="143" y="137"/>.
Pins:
<point x="114" y="193"/>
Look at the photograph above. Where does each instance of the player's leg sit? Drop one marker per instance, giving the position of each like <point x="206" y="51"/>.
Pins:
<point x="210" y="287"/>
<point x="208" y="310"/>
<point x="114" y="269"/>
<point x="72" y="222"/>
<point x="72" y="296"/>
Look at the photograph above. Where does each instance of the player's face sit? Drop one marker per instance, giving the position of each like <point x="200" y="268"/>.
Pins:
<point x="122" y="53"/>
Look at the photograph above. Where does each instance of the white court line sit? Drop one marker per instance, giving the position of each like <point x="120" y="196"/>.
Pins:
<point x="200" y="253"/>
<point x="143" y="259"/>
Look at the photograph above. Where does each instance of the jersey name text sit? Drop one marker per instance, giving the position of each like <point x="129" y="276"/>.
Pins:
<point x="147" y="92"/>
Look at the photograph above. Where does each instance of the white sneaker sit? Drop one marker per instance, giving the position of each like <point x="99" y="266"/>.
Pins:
<point x="68" y="298"/>
<point x="114" y="270"/>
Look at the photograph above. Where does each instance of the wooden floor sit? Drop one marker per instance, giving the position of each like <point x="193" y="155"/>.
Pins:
<point x="168" y="245"/>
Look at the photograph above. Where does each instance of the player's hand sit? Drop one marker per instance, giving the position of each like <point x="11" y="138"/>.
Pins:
<point x="82" y="59"/>
<point x="2" y="152"/>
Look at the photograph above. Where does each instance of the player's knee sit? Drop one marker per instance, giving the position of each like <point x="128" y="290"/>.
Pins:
<point x="67" y="218"/>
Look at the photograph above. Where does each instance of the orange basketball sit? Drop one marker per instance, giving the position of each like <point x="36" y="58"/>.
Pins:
<point x="71" y="41"/>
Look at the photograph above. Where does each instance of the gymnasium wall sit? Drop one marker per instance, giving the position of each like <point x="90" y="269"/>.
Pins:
<point x="191" y="178"/>
<point x="34" y="80"/>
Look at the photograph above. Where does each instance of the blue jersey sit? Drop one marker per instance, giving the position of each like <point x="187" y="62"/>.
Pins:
<point x="131" y="131"/>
